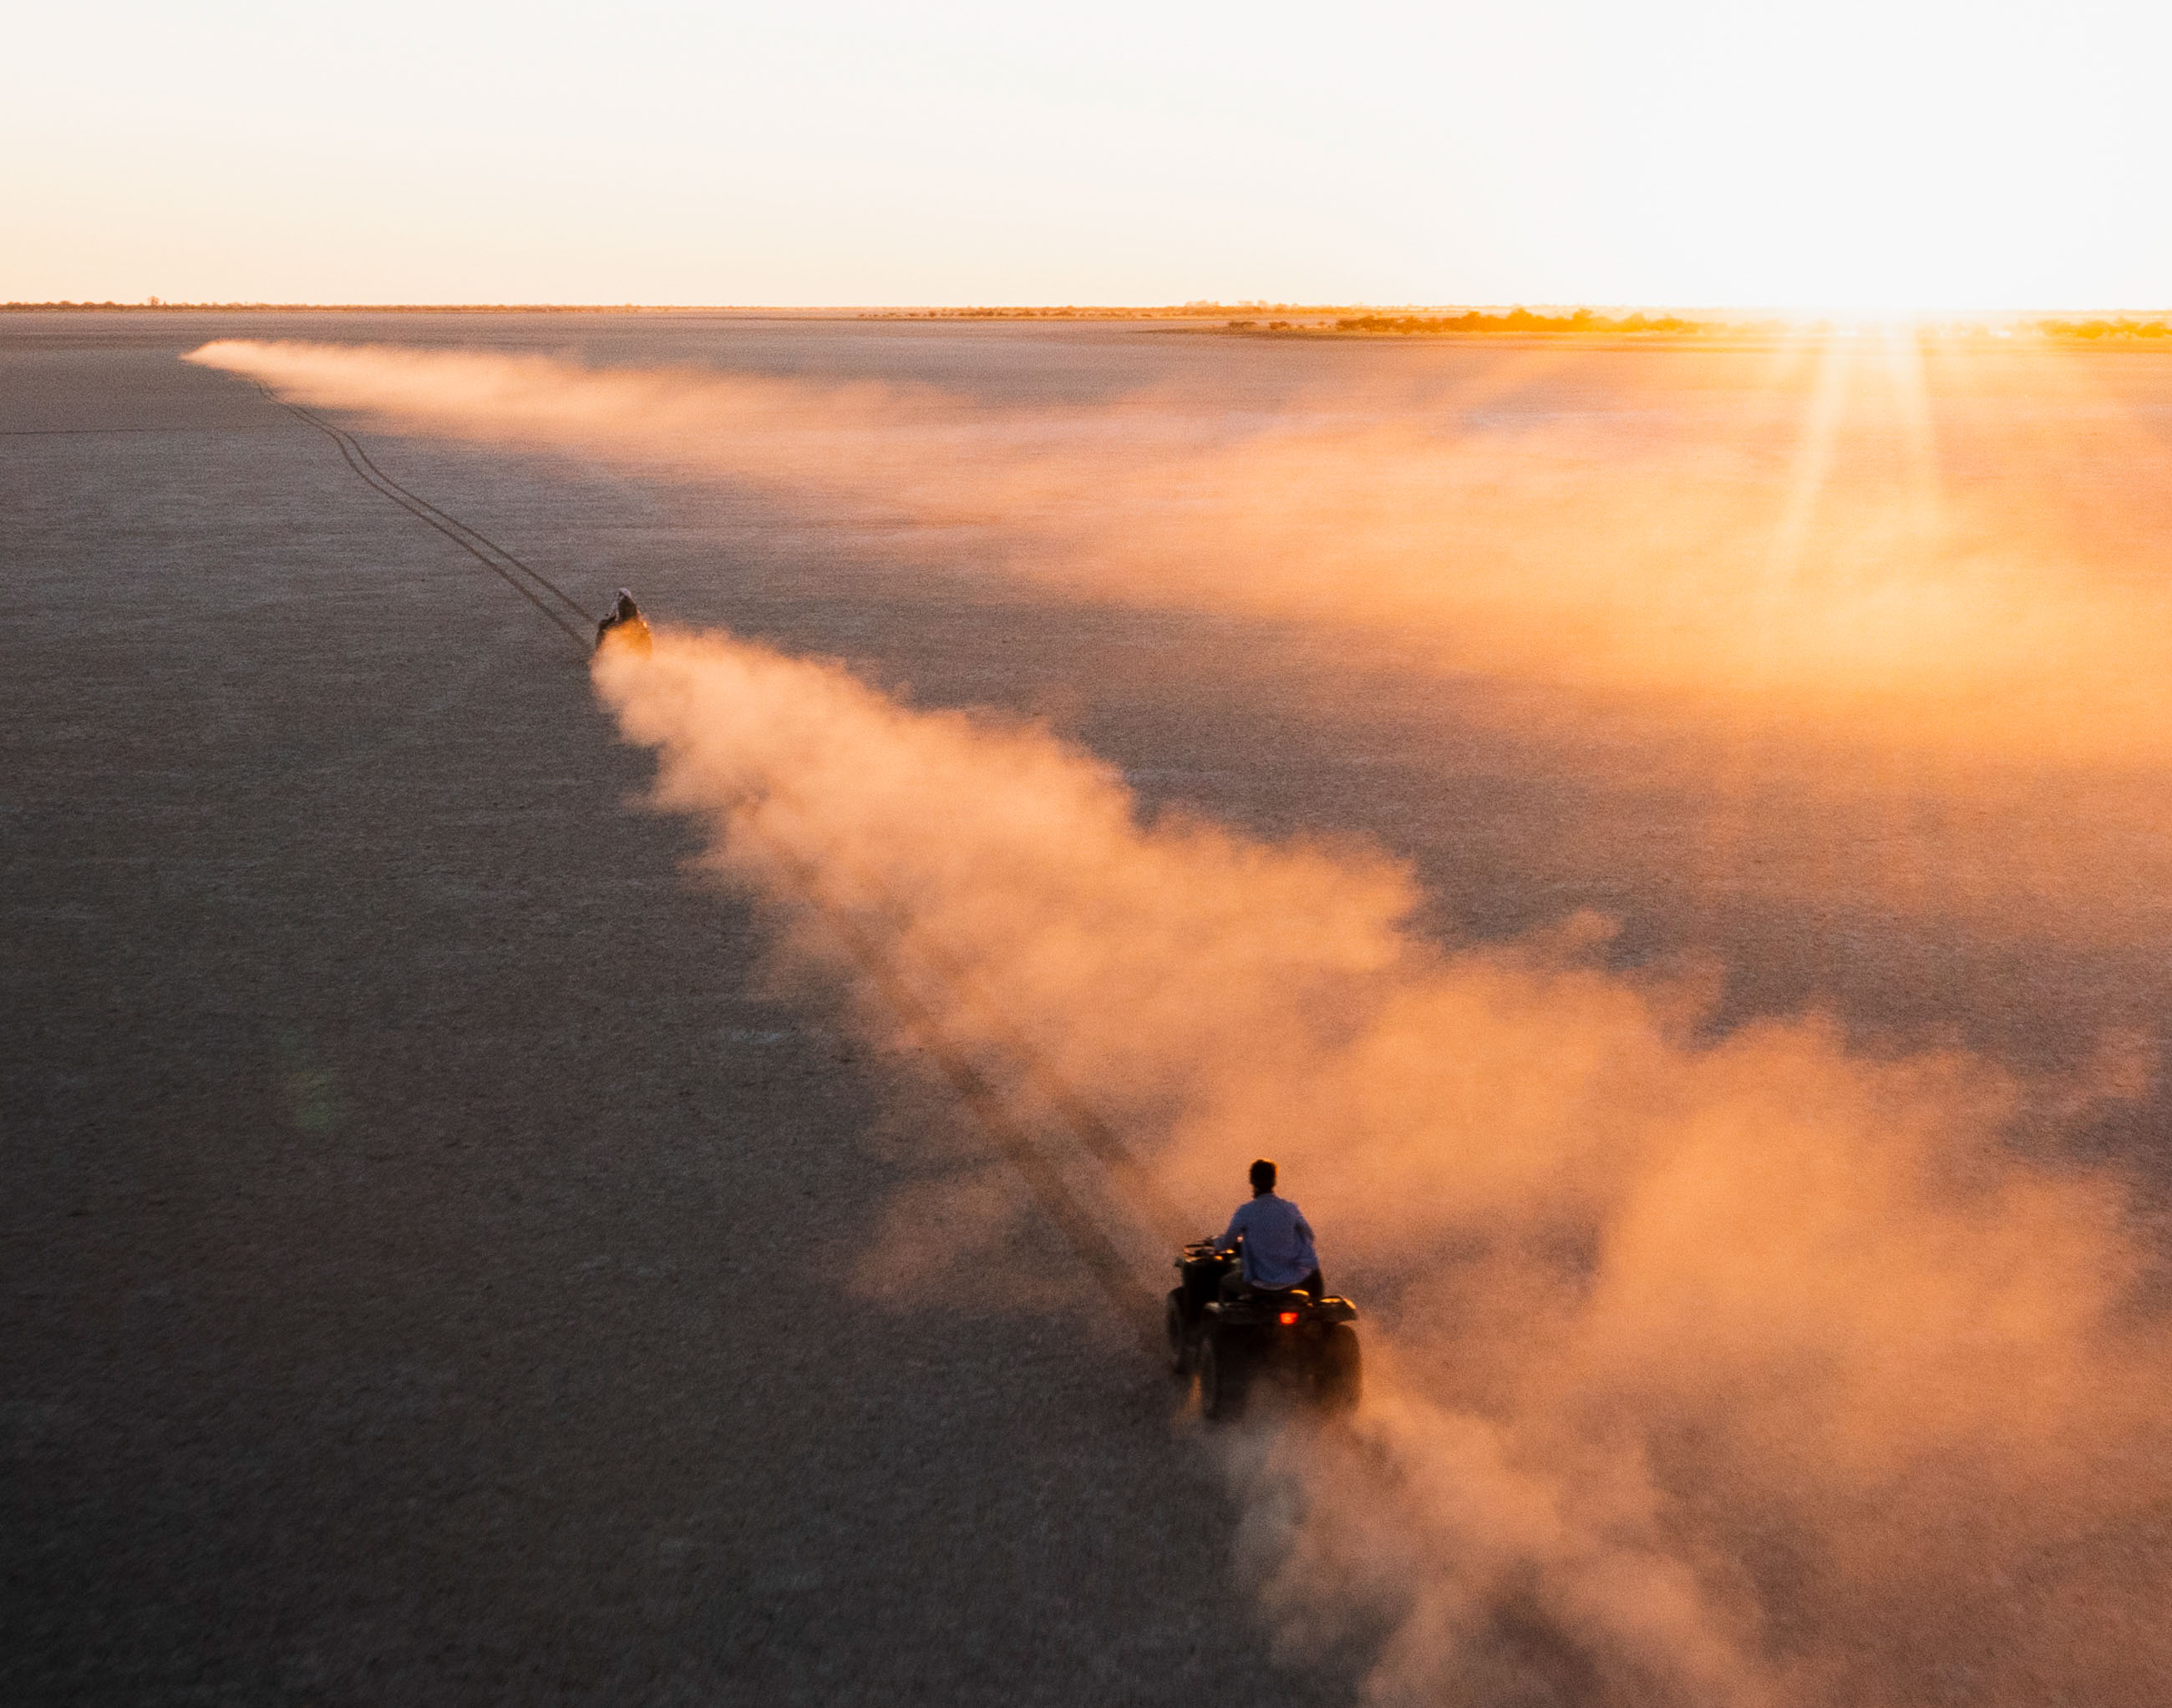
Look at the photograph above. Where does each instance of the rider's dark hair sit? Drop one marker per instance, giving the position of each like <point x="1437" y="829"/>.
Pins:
<point x="1263" y="1176"/>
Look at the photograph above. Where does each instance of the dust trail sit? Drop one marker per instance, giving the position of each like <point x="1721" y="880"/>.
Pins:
<point x="1745" y="1372"/>
<point x="1770" y="555"/>
<point x="1888" y="617"/>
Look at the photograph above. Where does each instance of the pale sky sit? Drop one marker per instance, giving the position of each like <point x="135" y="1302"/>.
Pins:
<point x="1854" y="155"/>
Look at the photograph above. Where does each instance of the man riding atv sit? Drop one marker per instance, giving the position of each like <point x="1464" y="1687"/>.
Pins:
<point x="623" y="624"/>
<point x="1252" y="1305"/>
<point x="1274" y="1241"/>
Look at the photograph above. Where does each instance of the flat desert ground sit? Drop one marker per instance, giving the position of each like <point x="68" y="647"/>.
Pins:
<point x="433" y="1234"/>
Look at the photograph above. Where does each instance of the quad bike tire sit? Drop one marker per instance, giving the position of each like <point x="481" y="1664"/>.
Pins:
<point x="1341" y="1380"/>
<point x="1225" y="1373"/>
<point x="1180" y="1349"/>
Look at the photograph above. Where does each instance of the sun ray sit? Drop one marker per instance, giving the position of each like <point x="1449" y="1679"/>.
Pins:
<point x="1811" y="467"/>
<point x="1903" y="348"/>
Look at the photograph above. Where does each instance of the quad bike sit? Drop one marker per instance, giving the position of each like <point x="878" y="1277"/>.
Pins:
<point x="1232" y="1342"/>
<point x="624" y="626"/>
<point x="631" y="633"/>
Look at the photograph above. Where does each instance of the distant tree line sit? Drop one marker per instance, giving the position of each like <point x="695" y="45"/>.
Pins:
<point x="1067" y="312"/>
<point x="1321" y="318"/>
<point x="1075" y="311"/>
<point x="1328" y="317"/>
<point x="1522" y="320"/>
<point x="2123" y="327"/>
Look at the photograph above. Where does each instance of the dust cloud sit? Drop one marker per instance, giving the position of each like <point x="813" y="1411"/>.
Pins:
<point x="1885" y="614"/>
<point x="1795" y="550"/>
<point x="1746" y="1372"/>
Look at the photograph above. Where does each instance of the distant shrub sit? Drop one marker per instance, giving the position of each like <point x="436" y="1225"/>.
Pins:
<point x="2124" y="327"/>
<point x="1516" y="319"/>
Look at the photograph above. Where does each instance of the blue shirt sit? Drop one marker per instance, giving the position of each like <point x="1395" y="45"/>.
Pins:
<point x="1277" y="1242"/>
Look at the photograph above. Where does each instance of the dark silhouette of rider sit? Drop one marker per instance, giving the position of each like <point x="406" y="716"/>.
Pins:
<point x="623" y="611"/>
<point x="1274" y="1239"/>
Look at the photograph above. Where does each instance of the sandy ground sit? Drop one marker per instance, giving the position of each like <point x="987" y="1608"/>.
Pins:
<point x="421" y="1238"/>
<point x="423" y="1225"/>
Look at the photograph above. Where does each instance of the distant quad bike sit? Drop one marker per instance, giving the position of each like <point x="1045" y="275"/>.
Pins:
<point x="624" y="627"/>
<point x="629" y="633"/>
<point x="1289" y="1338"/>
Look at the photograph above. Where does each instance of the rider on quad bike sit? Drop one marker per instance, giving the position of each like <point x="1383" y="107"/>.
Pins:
<point x="1274" y="1243"/>
<point x="1253" y="1305"/>
<point x="623" y="624"/>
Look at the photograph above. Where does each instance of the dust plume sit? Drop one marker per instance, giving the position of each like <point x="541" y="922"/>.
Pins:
<point x="1792" y="547"/>
<point x="1884" y="615"/>
<point x="1748" y="1372"/>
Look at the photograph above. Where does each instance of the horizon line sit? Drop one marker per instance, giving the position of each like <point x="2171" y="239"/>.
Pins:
<point x="1197" y="308"/>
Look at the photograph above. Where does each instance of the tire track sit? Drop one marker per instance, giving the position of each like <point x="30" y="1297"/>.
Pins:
<point x="477" y="545"/>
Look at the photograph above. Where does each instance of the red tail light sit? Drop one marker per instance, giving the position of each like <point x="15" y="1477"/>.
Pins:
<point x="1289" y="1318"/>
